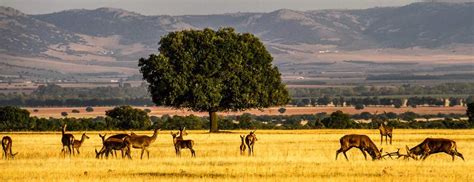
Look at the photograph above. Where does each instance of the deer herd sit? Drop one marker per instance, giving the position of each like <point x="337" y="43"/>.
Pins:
<point x="125" y="142"/>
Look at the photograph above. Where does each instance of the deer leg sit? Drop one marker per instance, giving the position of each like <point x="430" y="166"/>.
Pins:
<point x="390" y="139"/>
<point x="141" y="156"/>
<point x="147" y="153"/>
<point x="363" y="152"/>
<point x="381" y="139"/>
<point x="193" y="153"/>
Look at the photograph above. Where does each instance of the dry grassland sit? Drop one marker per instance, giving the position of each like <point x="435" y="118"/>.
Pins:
<point x="303" y="155"/>
<point x="159" y="111"/>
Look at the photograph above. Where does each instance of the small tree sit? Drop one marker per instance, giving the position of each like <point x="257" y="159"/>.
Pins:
<point x="212" y="71"/>
<point x="470" y="113"/>
<point x="89" y="109"/>
<point x="64" y="114"/>
<point x="359" y="106"/>
<point x="127" y="117"/>
<point x="13" y="118"/>
<point x="282" y="110"/>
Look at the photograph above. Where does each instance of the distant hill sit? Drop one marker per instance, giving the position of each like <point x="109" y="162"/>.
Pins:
<point x="115" y="37"/>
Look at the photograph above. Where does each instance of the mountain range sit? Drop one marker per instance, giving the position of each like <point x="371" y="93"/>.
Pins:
<point x="114" y="37"/>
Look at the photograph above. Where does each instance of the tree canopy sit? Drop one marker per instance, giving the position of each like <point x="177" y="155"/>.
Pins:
<point x="127" y="117"/>
<point x="212" y="71"/>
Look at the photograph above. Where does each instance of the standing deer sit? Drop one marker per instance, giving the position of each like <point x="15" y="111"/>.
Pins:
<point x="143" y="142"/>
<point x="7" y="148"/>
<point x="112" y="144"/>
<point x="67" y="139"/>
<point x="242" y="145"/>
<point x="78" y="143"/>
<point x="432" y="146"/>
<point x="179" y="144"/>
<point x="362" y="142"/>
<point x="250" y="140"/>
<point x="385" y="131"/>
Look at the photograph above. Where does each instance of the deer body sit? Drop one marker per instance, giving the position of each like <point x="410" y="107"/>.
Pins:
<point x="7" y="148"/>
<point x="435" y="145"/>
<point x="362" y="142"/>
<point x="117" y="136"/>
<point x="143" y="142"/>
<point x="385" y="131"/>
<point x="67" y="141"/>
<point x="78" y="143"/>
<point x="112" y="144"/>
<point x="250" y="140"/>
<point x="242" y="145"/>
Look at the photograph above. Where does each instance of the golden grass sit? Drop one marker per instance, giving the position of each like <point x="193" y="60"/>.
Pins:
<point x="279" y="156"/>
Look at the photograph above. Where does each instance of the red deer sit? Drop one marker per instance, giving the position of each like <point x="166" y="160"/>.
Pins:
<point x="143" y="142"/>
<point x="242" y="145"/>
<point x="67" y="140"/>
<point x="250" y="140"/>
<point x="78" y="143"/>
<point x="179" y="144"/>
<point x="432" y="146"/>
<point x="385" y="131"/>
<point x="117" y="136"/>
<point x="114" y="144"/>
<point x="7" y="148"/>
<point x="362" y="142"/>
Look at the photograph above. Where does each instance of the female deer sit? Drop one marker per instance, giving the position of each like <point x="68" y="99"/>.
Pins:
<point x="78" y="143"/>
<point x="250" y="140"/>
<point x="67" y="140"/>
<point x="7" y="148"/>
<point x="242" y="145"/>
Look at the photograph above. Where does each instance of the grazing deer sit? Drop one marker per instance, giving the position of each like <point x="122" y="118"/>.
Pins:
<point x="432" y="146"/>
<point x="7" y="148"/>
<point x="143" y="142"/>
<point x="242" y="145"/>
<point x="112" y="144"/>
<point x="78" y="143"/>
<point x="117" y="136"/>
<point x="362" y="142"/>
<point x="385" y="131"/>
<point x="250" y="140"/>
<point x="179" y="144"/>
<point x="67" y="139"/>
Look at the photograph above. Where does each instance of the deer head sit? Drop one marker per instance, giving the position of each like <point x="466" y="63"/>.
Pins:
<point x="102" y="137"/>
<point x="85" y="136"/>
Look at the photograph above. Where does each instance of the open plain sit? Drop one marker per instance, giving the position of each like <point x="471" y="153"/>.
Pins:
<point x="280" y="155"/>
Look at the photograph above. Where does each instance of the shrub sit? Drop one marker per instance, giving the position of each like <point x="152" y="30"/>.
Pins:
<point x="89" y="109"/>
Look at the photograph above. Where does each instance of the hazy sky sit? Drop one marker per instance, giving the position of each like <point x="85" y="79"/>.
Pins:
<point x="180" y="7"/>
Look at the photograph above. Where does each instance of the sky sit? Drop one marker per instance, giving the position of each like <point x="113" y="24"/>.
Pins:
<point x="195" y="7"/>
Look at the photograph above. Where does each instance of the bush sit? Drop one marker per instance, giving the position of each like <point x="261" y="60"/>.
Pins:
<point x="359" y="106"/>
<point x="282" y="110"/>
<point x="89" y="109"/>
<point x="75" y="111"/>
<point x="35" y="110"/>
<point x="64" y="114"/>
<point x="147" y="110"/>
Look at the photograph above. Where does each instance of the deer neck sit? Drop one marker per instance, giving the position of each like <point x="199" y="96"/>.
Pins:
<point x="83" y="138"/>
<point x="155" y="134"/>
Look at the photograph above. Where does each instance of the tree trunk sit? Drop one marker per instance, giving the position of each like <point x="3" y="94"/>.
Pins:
<point x="213" y="122"/>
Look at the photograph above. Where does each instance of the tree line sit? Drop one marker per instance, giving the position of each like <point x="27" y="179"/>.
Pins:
<point x="128" y="118"/>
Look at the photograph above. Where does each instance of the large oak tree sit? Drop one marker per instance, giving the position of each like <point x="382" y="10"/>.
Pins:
<point x="212" y="71"/>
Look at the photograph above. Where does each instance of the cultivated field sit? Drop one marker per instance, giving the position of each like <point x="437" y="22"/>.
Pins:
<point x="303" y="155"/>
<point x="159" y="111"/>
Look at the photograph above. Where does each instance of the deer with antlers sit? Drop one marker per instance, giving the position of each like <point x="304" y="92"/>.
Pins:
<point x="67" y="140"/>
<point x="179" y="143"/>
<point x="143" y="141"/>
<point x="7" y="148"/>
<point x="250" y="140"/>
<point x="76" y="144"/>
<point x="362" y="142"/>
<point x="112" y="144"/>
<point x="242" y="144"/>
<point x="432" y="146"/>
